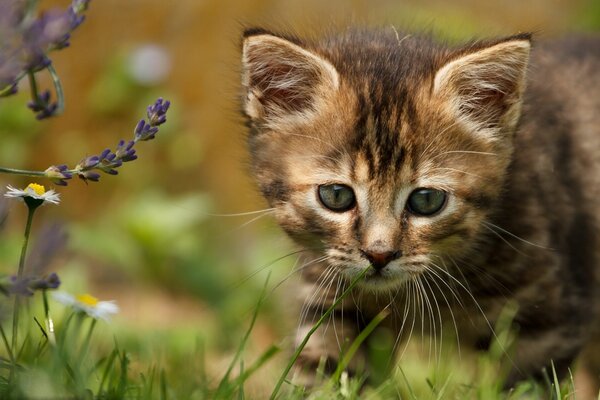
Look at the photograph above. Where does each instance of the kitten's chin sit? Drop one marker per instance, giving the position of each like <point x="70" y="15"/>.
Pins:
<point x="381" y="281"/>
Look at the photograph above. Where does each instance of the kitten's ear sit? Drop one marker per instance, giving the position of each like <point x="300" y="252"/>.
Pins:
<point x="282" y="78"/>
<point x="485" y="87"/>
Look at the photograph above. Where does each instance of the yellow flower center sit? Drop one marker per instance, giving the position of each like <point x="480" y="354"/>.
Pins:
<point x="87" y="299"/>
<point x="38" y="189"/>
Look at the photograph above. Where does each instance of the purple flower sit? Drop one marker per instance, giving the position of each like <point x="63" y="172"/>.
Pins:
<point x="144" y="131"/>
<point x="88" y="163"/>
<point x="59" y="174"/>
<point x="42" y="106"/>
<point x="20" y="286"/>
<point x="89" y="176"/>
<point x="108" y="161"/>
<point x="51" y="281"/>
<point x="10" y="68"/>
<point x="26" y="285"/>
<point x="125" y="151"/>
<point x="157" y="112"/>
<point x="51" y="30"/>
<point x="26" y="41"/>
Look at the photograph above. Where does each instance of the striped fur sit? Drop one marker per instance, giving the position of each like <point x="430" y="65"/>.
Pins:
<point x="385" y="114"/>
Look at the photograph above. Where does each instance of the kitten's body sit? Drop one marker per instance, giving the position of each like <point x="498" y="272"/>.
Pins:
<point x="387" y="114"/>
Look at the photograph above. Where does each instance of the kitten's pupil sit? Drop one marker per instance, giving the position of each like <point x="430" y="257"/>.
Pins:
<point x="337" y="197"/>
<point x="426" y="202"/>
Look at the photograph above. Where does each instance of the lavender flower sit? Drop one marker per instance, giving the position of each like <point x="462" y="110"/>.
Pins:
<point x="59" y="174"/>
<point x="51" y="281"/>
<point x="27" y="40"/>
<point x="10" y="68"/>
<point x="89" y="176"/>
<point x="157" y="112"/>
<point x="144" y="131"/>
<point x="26" y="286"/>
<point x="108" y="161"/>
<point x="43" y="106"/>
<point x="50" y="31"/>
<point x="125" y="151"/>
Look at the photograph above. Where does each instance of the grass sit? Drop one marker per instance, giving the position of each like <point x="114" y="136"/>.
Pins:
<point x="81" y="358"/>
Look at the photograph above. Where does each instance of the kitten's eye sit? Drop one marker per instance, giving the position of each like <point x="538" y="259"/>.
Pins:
<point x="337" y="197"/>
<point x="426" y="201"/>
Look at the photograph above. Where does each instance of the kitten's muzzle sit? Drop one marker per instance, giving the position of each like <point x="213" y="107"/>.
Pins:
<point x="379" y="259"/>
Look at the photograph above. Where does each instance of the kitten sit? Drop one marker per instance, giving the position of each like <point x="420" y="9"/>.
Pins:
<point x="459" y="174"/>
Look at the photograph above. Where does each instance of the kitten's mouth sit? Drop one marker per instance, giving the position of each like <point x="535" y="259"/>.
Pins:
<point x="390" y="277"/>
<point x="384" y="279"/>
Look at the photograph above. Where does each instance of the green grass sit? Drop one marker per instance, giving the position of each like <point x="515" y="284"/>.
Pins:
<point x="83" y="358"/>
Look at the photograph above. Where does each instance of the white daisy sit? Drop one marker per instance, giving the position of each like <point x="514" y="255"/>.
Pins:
<point x="34" y="191"/>
<point x="88" y="304"/>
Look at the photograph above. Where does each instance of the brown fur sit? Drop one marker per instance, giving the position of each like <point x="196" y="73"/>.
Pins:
<point x="386" y="113"/>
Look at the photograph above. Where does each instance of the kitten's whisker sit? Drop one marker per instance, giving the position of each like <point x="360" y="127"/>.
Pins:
<point x="324" y="305"/>
<point x="440" y="322"/>
<point x="433" y="279"/>
<point x="515" y="236"/>
<point x="242" y="214"/>
<point x="259" y="270"/>
<point x="506" y="292"/>
<point x="245" y="224"/>
<point x="482" y="153"/>
<point x="398" y="36"/>
<point x="408" y="297"/>
<point x="331" y="316"/>
<point x="414" y="317"/>
<point x="302" y="157"/>
<point x="300" y="269"/>
<point x="319" y="283"/>
<point x="452" y="290"/>
<point x="459" y="270"/>
<point x="504" y="240"/>
<point x="485" y="318"/>
<point x="430" y="317"/>
<point x="432" y="142"/>
<point x="457" y="170"/>
<point x="331" y="146"/>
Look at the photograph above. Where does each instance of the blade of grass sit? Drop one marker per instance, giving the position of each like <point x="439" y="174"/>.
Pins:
<point x="410" y="390"/>
<point x="163" y="385"/>
<point x="122" y="387"/>
<point x="555" y="381"/>
<point x="107" y="369"/>
<point x="241" y="384"/>
<point x="325" y="315"/>
<point x="357" y="342"/>
<point x="238" y="353"/>
<point x="268" y="354"/>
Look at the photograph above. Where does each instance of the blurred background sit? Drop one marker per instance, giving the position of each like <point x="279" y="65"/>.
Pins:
<point x="154" y="238"/>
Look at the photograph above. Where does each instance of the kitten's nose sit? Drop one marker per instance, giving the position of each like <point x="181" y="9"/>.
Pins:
<point x="379" y="259"/>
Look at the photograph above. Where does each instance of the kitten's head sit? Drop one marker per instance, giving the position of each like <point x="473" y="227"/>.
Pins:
<point x="382" y="150"/>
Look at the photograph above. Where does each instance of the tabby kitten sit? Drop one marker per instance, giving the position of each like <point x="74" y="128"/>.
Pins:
<point x="459" y="177"/>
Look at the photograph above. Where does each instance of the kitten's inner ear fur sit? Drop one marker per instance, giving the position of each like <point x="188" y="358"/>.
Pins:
<point x="281" y="78"/>
<point x="484" y="88"/>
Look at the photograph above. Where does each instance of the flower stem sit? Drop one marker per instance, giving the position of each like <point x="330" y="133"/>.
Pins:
<point x="31" y="211"/>
<point x="48" y="319"/>
<point x="35" y="97"/>
<point x="7" y="345"/>
<point x="58" y="89"/>
<point x="86" y="343"/>
<point x="21" y="172"/>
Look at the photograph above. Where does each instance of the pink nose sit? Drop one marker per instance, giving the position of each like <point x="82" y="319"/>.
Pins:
<point x="379" y="259"/>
